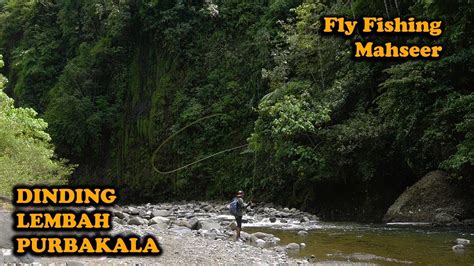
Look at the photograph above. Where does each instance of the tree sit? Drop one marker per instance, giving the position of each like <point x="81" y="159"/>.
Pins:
<point x="26" y="153"/>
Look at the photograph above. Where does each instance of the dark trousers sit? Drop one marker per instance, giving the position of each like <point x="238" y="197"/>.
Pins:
<point x="238" y="219"/>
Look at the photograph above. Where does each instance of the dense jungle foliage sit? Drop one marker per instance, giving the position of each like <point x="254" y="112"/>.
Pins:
<point x="115" y="78"/>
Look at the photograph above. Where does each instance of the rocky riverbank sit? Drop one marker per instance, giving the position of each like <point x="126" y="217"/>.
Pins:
<point x="210" y="220"/>
<point x="198" y="233"/>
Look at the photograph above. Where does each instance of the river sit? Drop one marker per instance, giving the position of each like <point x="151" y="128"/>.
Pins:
<point x="379" y="244"/>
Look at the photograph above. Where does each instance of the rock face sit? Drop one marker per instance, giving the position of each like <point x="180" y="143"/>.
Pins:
<point x="434" y="199"/>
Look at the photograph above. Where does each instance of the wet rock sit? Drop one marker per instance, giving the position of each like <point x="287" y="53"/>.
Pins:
<point x="272" y="241"/>
<point x="302" y="233"/>
<point x="462" y="241"/>
<point x="311" y="259"/>
<point x="136" y="221"/>
<point x="458" y="247"/>
<point x="302" y="245"/>
<point x="272" y="219"/>
<point x="292" y="246"/>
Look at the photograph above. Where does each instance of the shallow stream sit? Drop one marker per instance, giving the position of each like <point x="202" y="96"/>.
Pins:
<point x="379" y="244"/>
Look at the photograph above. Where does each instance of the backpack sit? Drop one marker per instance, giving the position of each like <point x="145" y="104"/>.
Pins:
<point x="234" y="207"/>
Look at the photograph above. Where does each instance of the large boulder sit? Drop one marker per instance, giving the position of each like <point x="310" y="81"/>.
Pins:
<point x="434" y="198"/>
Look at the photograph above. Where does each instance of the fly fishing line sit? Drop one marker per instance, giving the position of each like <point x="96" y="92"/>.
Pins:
<point x="153" y="157"/>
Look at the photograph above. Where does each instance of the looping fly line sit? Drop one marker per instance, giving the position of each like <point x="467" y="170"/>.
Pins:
<point x="194" y="162"/>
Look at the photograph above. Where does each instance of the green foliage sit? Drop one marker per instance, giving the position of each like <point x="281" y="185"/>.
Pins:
<point x="113" y="79"/>
<point x="330" y="121"/>
<point x="26" y="153"/>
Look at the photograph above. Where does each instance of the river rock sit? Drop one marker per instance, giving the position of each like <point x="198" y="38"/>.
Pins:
<point x="194" y="224"/>
<point x="302" y="233"/>
<point x="159" y="226"/>
<point x="292" y="246"/>
<point x="145" y="214"/>
<point x="233" y="226"/>
<point x="180" y="230"/>
<point x="120" y="214"/>
<point x="158" y="219"/>
<point x="208" y="234"/>
<point x="132" y="210"/>
<point x="302" y="245"/>
<point x="207" y="208"/>
<point x="244" y="236"/>
<point x="162" y="213"/>
<point x="304" y="219"/>
<point x="136" y="221"/>
<point x="443" y="218"/>
<point x="260" y="243"/>
<point x="117" y="220"/>
<point x="458" y="247"/>
<point x="434" y="198"/>
<point x="208" y="225"/>
<point x="462" y="241"/>
<point x="272" y="219"/>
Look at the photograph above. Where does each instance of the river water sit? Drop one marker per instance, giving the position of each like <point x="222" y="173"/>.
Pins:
<point x="379" y="244"/>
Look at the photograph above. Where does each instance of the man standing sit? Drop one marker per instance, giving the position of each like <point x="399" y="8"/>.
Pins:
<point x="239" y="212"/>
